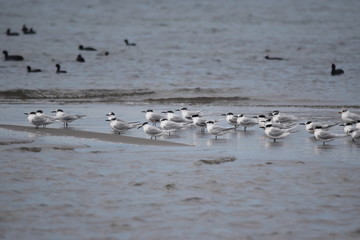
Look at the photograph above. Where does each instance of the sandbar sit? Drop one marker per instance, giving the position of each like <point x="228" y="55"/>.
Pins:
<point x="92" y="135"/>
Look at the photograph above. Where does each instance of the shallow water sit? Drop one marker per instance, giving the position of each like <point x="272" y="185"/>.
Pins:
<point x="205" y="55"/>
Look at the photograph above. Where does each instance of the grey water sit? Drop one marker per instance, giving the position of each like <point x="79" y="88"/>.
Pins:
<point x="205" y="55"/>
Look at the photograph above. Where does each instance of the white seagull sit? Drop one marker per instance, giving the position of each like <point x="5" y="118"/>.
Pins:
<point x="310" y="126"/>
<point x="280" y="125"/>
<point x="152" y="117"/>
<point x="326" y="136"/>
<point x="187" y="113"/>
<point x="153" y="131"/>
<point x="171" y="116"/>
<point x="49" y="118"/>
<point x="348" y="116"/>
<point x="217" y="130"/>
<point x="348" y="127"/>
<point x="262" y="121"/>
<point x="277" y="133"/>
<point x="246" y="121"/>
<point x="121" y="126"/>
<point x="38" y="120"/>
<point x="171" y="125"/>
<point x="199" y="122"/>
<point x="66" y="118"/>
<point x="355" y="134"/>
<point x="231" y="119"/>
<point x="282" y="118"/>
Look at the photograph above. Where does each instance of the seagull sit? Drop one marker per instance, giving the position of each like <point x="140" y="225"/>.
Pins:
<point x="152" y="117"/>
<point x="49" y="118"/>
<point x="246" y="121"/>
<point x="200" y="122"/>
<point x="348" y="127"/>
<point x="231" y="119"/>
<point x="355" y="134"/>
<point x="282" y="118"/>
<point x="357" y="124"/>
<point x="310" y="126"/>
<point x="12" y="57"/>
<point x="326" y="136"/>
<point x="262" y="121"/>
<point x="349" y="117"/>
<point x="335" y="71"/>
<point x="66" y="118"/>
<point x="280" y="125"/>
<point x="277" y="133"/>
<point x="38" y="120"/>
<point x="171" y="116"/>
<point x="58" y="69"/>
<point x="217" y="130"/>
<point x="111" y="115"/>
<point x="82" y="48"/>
<point x="171" y="125"/>
<point x="154" y="131"/>
<point x="121" y="126"/>
<point x="187" y="113"/>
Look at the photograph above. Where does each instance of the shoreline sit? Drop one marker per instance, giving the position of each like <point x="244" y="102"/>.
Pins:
<point x="93" y="135"/>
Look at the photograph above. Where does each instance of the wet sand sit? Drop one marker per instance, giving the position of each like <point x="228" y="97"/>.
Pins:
<point x="91" y="135"/>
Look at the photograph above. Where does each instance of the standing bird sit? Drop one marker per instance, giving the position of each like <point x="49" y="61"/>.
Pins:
<point x="262" y="120"/>
<point x="277" y="133"/>
<point x="80" y="58"/>
<point x="282" y="118"/>
<point x="30" y="70"/>
<point x="66" y="118"/>
<point x="349" y="117"/>
<point x="335" y="71"/>
<point x="246" y="121"/>
<point x="187" y="113"/>
<point x="38" y="119"/>
<point x="82" y="48"/>
<point x="152" y="117"/>
<point x="58" y="69"/>
<point x="326" y="136"/>
<point x="348" y="127"/>
<point x="310" y="126"/>
<point x="12" y="57"/>
<point x="171" y="116"/>
<point x="153" y="131"/>
<point x="171" y="125"/>
<point x="121" y="126"/>
<point x="231" y="119"/>
<point x="355" y="134"/>
<point x="200" y="122"/>
<point x="217" y="130"/>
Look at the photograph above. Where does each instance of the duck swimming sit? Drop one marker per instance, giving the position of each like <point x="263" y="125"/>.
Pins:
<point x="58" y="69"/>
<point x="29" y="69"/>
<point x="82" y="48"/>
<point x="12" y="57"/>
<point x="335" y="71"/>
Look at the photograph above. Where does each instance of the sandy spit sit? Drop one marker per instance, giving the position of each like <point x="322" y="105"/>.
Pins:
<point x="91" y="135"/>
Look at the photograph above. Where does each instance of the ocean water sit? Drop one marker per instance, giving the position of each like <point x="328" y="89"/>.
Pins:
<point x="204" y="55"/>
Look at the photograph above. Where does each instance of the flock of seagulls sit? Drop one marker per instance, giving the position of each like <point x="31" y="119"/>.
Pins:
<point x="276" y="125"/>
<point x="79" y="58"/>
